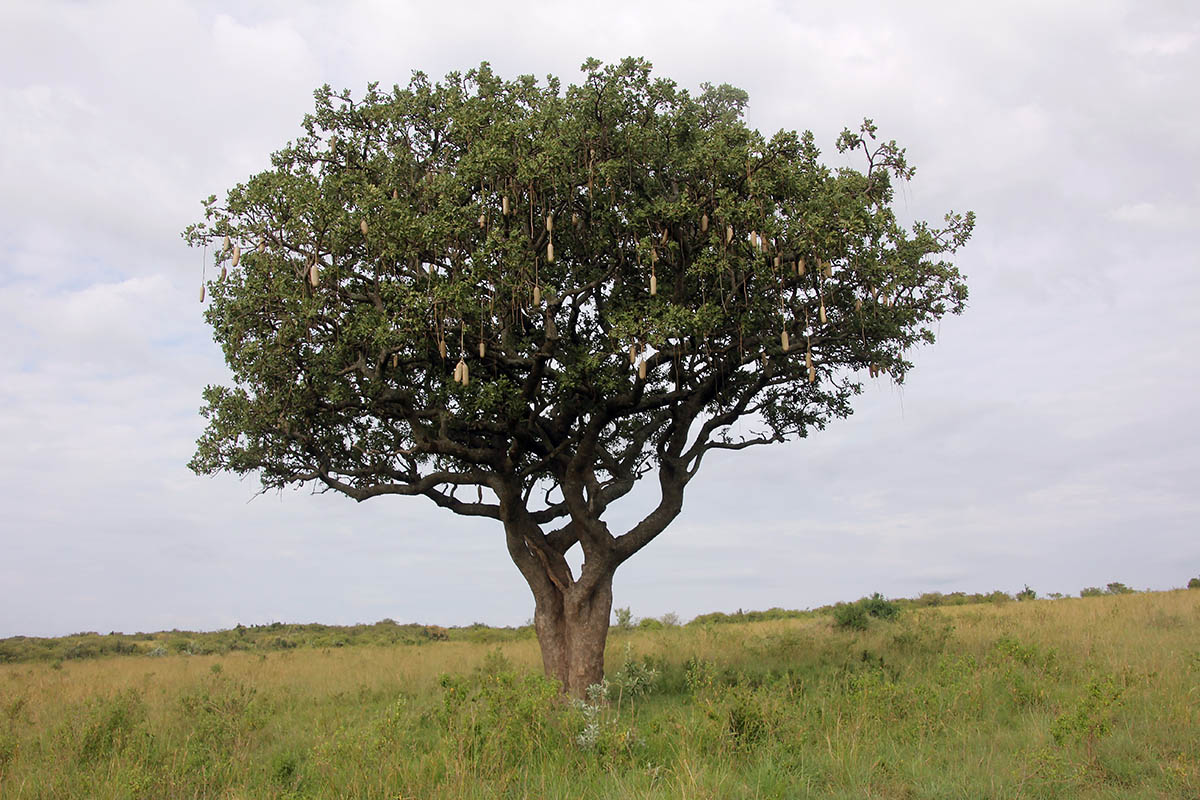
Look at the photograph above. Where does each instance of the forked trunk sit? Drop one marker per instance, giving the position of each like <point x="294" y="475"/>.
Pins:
<point x="571" y="612"/>
<point x="572" y="627"/>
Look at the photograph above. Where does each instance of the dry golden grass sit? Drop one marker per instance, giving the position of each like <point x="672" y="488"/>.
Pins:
<point x="1093" y="697"/>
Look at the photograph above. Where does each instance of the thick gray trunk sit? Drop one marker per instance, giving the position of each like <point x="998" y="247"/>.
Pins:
<point x="572" y="628"/>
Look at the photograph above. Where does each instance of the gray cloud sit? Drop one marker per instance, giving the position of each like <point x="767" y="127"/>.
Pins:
<point x="1048" y="438"/>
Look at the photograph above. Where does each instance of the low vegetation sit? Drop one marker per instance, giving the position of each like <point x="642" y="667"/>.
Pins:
<point x="279" y="636"/>
<point x="1092" y="697"/>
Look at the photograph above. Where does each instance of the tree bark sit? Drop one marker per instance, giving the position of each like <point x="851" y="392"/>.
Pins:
<point x="570" y="616"/>
<point x="572" y="628"/>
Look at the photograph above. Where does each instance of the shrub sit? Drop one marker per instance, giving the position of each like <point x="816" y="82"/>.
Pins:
<point x="436" y="633"/>
<point x="1194" y="583"/>
<point x="1093" y="714"/>
<point x="1091" y="591"/>
<point x="111" y="724"/>
<point x="500" y="718"/>
<point x="855" y="616"/>
<point x="1027" y="594"/>
<point x="624" y="618"/>
<point x="879" y="606"/>
<point x="1116" y="587"/>
<point x="850" y="616"/>
<point x="634" y="679"/>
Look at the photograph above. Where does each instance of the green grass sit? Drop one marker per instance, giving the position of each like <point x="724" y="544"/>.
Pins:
<point x="1096" y="697"/>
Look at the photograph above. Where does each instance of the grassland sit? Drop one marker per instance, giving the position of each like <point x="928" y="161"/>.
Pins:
<point x="1094" y="697"/>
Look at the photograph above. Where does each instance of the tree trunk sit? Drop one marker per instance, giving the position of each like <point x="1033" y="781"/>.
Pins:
<point x="572" y="628"/>
<point x="570" y="614"/>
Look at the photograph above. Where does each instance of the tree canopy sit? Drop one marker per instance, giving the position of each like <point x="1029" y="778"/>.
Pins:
<point x="516" y="299"/>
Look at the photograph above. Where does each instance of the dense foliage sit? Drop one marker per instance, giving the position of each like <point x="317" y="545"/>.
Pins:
<point x="544" y="294"/>
<point x="607" y="260"/>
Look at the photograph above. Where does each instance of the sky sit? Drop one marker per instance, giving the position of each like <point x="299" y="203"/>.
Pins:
<point x="1049" y="439"/>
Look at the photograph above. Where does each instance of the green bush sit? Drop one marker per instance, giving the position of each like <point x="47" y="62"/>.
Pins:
<point x="1194" y="583"/>
<point x="501" y="718"/>
<point x="1091" y="591"/>
<point x="879" y="606"/>
<point x="855" y="616"/>
<point x="111" y="724"/>
<point x="850" y="616"/>
<point x="624" y="619"/>
<point x="1027" y="594"/>
<point x="1116" y="587"/>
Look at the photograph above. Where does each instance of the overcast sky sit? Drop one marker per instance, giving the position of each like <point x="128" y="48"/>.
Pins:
<point x="1049" y="438"/>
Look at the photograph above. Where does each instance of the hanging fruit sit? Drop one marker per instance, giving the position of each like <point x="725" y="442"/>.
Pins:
<point x="237" y="255"/>
<point x="442" y="348"/>
<point x="482" y="220"/>
<point x="550" y="252"/>
<point x="504" y="205"/>
<point x="201" y="292"/>
<point x="362" y="226"/>
<point x="783" y="341"/>
<point x="728" y="234"/>
<point x="633" y="354"/>
<point x="314" y="275"/>
<point x="482" y="348"/>
<point x="537" y="295"/>
<point x="550" y="223"/>
<point x="821" y="313"/>
<point x="223" y="273"/>
<point x="704" y="223"/>
<point x="642" y="369"/>
<point x="653" y="283"/>
<point x="800" y="267"/>
<point x="225" y="245"/>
